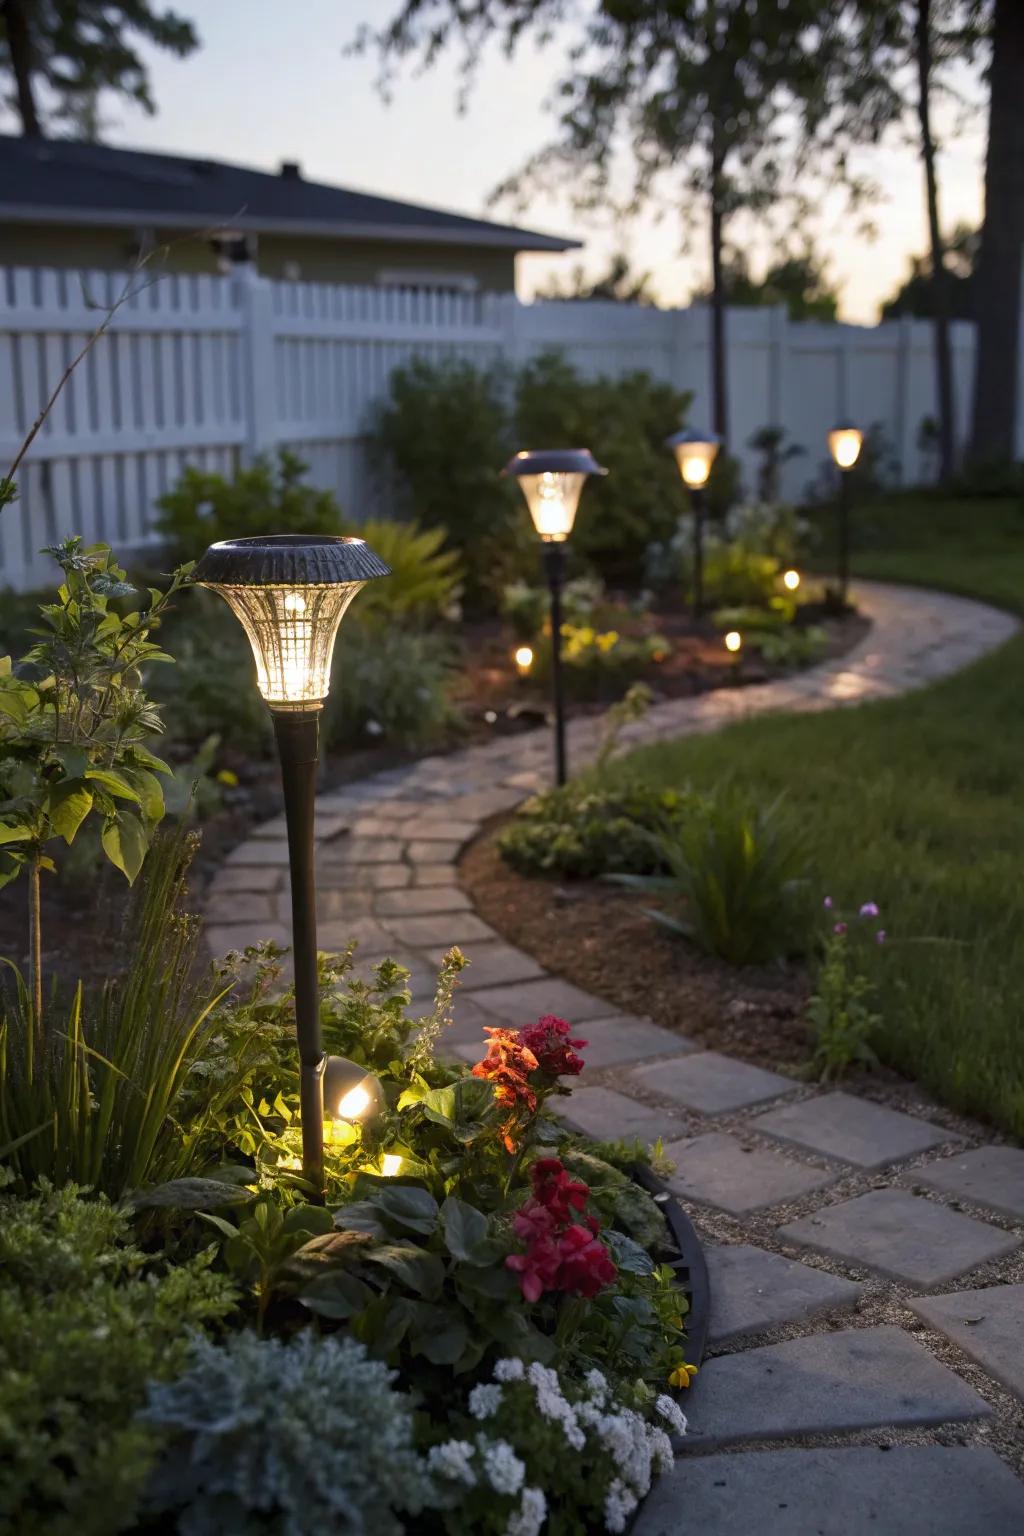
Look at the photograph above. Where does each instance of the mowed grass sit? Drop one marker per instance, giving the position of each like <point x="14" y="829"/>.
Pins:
<point x="918" y="804"/>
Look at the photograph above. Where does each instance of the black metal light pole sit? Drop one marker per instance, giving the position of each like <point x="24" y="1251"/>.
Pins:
<point x="844" y="444"/>
<point x="552" y="480"/>
<point x="695" y="453"/>
<point x="290" y="593"/>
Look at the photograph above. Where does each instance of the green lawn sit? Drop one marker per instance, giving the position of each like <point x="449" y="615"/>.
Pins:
<point x="917" y="804"/>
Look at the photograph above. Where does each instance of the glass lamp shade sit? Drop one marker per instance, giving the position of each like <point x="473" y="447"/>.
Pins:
<point x="552" y="481"/>
<point x="289" y="592"/>
<point x="695" y="453"/>
<point x="844" y="444"/>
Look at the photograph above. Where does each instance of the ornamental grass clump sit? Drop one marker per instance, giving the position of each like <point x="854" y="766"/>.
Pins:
<point x="274" y="1438"/>
<point x="536" y="1452"/>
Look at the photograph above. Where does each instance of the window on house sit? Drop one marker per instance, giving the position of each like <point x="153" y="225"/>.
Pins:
<point x="427" y="280"/>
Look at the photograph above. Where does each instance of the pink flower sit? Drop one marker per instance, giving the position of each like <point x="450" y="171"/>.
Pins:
<point x="839" y="928"/>
<point x="827" y="903"/>
<point x="549" y="1042"/>
<point x="880" y="936"/>
<point x="869" y="909"/>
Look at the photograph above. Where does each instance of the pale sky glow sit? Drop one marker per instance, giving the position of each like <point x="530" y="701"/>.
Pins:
<point x="271" y="83"/>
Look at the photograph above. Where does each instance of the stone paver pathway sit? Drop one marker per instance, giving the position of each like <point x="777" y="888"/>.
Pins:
<point x="866" y="1264"/>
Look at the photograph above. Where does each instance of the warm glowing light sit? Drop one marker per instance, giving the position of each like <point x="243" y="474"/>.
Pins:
<point x="292" y="637"/>
<point x="844" y="444"/>
<point x="552" y="499"/>
<point x="694" y="455"/>
<point x="791" y="580"/>
<point x="733" y="640"/>
<point x="354" y="1103"/>
<point x="523" y="659"/>
<point x="390" y="1164"/>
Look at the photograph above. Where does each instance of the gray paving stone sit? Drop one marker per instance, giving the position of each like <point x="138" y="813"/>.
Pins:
<point x="435" y="874"/>
<point x="715" y="1169"/>
<point x="752" y="1290"/>
<point x="851" y="1129"/>
<point x="426" y="851"/>
<point x="368" y="877"/>
<point x="712" y="1083"/>
<point x="824" y="1384"/>
<point x="987" y="1324"/>
<point x="609" y="1116"/>
<point x="494" y="965"/>
<point x="257" y="851"/>
<point x="612" y="1041"/>
<point x="422" y="901"/>
<point x="446" y="929"/>
<point x="247" y="877"/>
<point x="440" y="829"/>
<point x="337" y="933"/>
<point x="902" y="1236"/>
<point x="349" y="901"/>
<point x="989" y="1176"/>
<point x="241" y="907"/>
<point x="362" y="850"/>
<point x="221" y="937"/>
<point x="919" y="1490"/>
<point x="524" y="1002"/>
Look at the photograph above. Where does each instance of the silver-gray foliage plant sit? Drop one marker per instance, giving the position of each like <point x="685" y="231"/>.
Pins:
<point x="285" y="1439"/>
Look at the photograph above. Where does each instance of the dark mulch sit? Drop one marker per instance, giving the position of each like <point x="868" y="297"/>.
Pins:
<point x="599" y="938"/>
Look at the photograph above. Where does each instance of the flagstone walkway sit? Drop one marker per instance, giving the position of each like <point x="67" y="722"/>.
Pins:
<point x="866" y="1363"/>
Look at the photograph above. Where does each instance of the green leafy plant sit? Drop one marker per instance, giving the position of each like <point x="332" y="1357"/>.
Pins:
<point x="736" y="874"/>
<point x="74" y="722"/>
<point x="425" y="581"/>
<point x="85" y="1319"/>
<point x="839" y="1012"/>
<point x="392" y="685"/>
<point x="298" y="1437"/>
<point x="626" y="420"/>
<point x="131" y="1088"/>
<point x="585" y="829"/>
<point x="773" y="451"/>
<point x="269" y="496"/>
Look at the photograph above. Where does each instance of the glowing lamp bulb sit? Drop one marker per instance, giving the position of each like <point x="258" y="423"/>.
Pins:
<point x="354" y="1103"/>
<point x="696" y="471"/>
<point x="791" y="580"/>
<point x="523" y="659"/>
<point x="695" y="453"/>
<point x="733" y="641"/>
<point x="844" y="444"/>
<point x="390" y="1164"/>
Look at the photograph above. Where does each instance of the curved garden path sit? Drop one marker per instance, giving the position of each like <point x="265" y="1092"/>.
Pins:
<point x="866" y="1357"/>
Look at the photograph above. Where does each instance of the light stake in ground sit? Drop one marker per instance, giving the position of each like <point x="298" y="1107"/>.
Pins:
<point x="290" y="592"/>
<point x="552" y="480"/>
<point x="844" y="444"/>
<point x="695" y="453"/>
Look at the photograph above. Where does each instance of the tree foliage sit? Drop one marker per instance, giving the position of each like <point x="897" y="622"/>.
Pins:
<point x="60" y="54"/>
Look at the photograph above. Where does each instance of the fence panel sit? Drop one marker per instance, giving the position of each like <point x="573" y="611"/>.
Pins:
<point x="213" y="370"/>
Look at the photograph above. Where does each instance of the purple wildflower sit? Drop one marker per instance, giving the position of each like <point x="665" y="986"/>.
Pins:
<point x="827" y="903"/>
<point x="839" y="928"/>
<point x="869" y="909"/>
<point x="880" y="936"/>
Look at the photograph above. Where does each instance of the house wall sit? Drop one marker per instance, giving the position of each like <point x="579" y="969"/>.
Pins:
<point x="278" y="256"/>
<point x="213" y="370"/>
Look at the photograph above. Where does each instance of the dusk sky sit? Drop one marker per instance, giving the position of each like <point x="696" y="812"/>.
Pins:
<point x="271" y="83"/>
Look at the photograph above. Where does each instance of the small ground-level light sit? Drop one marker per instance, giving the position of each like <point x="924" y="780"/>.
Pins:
<point x="390" y="1165"/>
<point x="523" y="659"/>
<point x="733" y="641"/>
<point x="350" y="1091"/>
<point x="791" y="580"/>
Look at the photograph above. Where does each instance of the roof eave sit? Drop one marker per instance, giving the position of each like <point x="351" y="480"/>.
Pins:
<point x="496" y="237"/>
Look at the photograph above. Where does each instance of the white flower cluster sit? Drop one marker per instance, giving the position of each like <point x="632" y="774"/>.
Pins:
<point x="485" y="1400"/>
<point x="493" y="1464"/>
<point x="637" y="1449"/>
<point x="453" y="1460"/>
<point x="528" y="1519"/>
<point x="672" y="1413"/>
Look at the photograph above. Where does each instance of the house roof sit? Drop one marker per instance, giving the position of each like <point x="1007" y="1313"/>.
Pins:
<point x="57" y="180"/>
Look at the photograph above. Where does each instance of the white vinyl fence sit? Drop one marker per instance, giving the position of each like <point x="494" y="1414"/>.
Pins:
<point x="213" y="370"/>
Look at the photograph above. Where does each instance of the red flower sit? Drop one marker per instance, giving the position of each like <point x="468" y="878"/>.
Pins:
<point x="507" y="1065"/>
<point x="561" y="1254"/>
<point x="549" y="1042"/>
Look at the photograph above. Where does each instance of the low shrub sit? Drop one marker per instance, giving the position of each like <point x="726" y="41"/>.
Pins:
<point x="269" y="496"/>
<point x="736" y="880"/>
<point x="425" y="581"/>
<point x="583" y="830"/>
<point x="85" y="1319"/>
<point x="391" y="685"/>
<point x="297" y="1436"/>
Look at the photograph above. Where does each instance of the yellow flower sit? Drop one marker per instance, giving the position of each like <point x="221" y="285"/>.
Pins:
<point x="682" y="1375"/>
<point x="227" y="777"/>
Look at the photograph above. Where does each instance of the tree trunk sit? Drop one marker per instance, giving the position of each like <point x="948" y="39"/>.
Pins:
<point x="940" y="276"/>
<point x="719" y="367"/>
<point x="998" y="284"/>
<point x="19" y="43"/>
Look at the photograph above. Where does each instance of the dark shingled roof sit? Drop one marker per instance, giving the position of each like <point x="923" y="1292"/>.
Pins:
<point x="55" y="180"/>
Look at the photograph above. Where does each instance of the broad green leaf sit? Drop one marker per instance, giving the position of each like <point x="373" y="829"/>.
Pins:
<point x="337" y="1295"/>
<point x="14" y="705"/>
<point x="147" y="759"/>
<point x="124" y="843"/>
<point x="408" y="1206"/>
<point x="190" y="1195"/>
<point x="465" y="1228"/>
<point x="5" y="666"/>
<point x="422" y="1272"/>
<point x="149" y="790"/>
<point x="74" y="759"/>
<point x="437" y="1334"/>
<point x="68" y="805"/>
<point x="628" y="1255"/>
<point x="314" y="1219"/>
<point x="115" y="782"/>
<point x="360" y="1216"/>
<point x="15" y="834"/>
<point x="439" y="1105"/>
